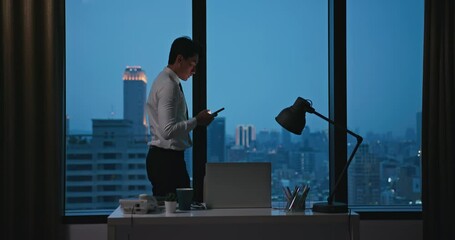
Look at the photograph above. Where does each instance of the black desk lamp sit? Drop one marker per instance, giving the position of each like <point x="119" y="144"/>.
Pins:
<point x="293" y="119"/>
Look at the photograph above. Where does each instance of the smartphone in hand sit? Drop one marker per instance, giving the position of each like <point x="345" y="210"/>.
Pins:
<point x="217" y="111"/>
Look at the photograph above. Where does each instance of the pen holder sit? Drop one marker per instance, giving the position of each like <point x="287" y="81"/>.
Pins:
<point x="297" y="208"/>
<point x="296" y="200"/>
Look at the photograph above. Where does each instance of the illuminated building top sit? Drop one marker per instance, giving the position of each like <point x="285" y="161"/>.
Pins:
<point x="134" y="73"/>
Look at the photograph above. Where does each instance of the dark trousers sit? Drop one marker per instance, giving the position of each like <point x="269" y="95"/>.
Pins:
<point x="166" y="170"/>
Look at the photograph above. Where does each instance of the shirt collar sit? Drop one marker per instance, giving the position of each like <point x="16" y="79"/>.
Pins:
<point x="172" y="74"/>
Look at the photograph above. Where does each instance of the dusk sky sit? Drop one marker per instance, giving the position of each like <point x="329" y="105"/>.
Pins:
<point x="261" y="55"/>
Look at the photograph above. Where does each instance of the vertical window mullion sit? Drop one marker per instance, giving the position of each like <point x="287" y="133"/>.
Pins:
<point x="199" y="98"/>
<point x="337" y="96"/>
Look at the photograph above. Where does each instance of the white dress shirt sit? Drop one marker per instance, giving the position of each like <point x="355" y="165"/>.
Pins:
<point x="167" y="113"/>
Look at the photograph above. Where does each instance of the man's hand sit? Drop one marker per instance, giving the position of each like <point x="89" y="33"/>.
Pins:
<point x="204" y="118"/>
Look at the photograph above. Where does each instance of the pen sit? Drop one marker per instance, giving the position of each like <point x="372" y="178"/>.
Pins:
<point x="294" y="197"/>
<point x="287" y="193"/>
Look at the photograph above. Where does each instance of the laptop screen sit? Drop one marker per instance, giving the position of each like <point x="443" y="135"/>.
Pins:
<point x="238" y="185"/>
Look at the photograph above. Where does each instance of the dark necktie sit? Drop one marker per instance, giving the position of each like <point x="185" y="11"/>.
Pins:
<point x="186" y="107"/>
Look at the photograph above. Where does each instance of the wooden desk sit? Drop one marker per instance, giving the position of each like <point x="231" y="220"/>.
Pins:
<point x="220" y="224"/>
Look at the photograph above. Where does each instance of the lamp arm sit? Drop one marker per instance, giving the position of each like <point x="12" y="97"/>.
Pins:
<point x="359" y="141"/>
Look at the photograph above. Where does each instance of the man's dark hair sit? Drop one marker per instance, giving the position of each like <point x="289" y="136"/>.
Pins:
<point x="185" y="47"/>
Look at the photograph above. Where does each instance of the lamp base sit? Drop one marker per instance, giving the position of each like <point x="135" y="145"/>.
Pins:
<point x="335" y="207"/>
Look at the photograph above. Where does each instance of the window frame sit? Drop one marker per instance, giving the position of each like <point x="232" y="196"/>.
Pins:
<point x="337" y="112"/>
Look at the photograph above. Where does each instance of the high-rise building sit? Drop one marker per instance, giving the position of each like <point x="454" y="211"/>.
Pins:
<point x="245" y="136"/>
<point x="105" y="166"/>
<point x="363" y="178"/>
<point x="134" y="97"/>
<point x="409" y="184"/>
<point x="109" y="164"/>
<point x="216" y="134"/>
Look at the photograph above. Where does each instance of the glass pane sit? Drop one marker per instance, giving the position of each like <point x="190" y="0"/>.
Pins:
<point x="262" y="55"/>
<point x="114" y="51"/>
<point x="385" y="59"/>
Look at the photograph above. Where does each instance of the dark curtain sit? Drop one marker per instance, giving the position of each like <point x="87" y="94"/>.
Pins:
<point x="32" y="98"/>
<point x="438" y="121"/>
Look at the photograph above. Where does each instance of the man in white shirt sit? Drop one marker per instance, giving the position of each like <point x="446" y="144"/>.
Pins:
<point x="168" y="120"/>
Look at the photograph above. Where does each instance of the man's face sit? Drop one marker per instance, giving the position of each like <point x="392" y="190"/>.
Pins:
<point x="186" y="67"/>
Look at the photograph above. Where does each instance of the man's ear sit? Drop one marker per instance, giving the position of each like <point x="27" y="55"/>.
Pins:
<point x="179" y="58"/>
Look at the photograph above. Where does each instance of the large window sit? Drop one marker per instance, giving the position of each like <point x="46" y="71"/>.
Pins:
<point x="262" y="55"/>
<point x="385" y="59"/>
<point x="114" y="51"/>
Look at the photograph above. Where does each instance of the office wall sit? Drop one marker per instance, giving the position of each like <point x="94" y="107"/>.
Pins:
<point x="369" y="230"/>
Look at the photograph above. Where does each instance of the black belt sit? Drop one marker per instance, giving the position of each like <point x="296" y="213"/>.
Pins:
<point x="165" y="149"/>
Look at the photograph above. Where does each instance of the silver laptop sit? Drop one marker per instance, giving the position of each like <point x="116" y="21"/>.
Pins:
<point x="238" y="185"/>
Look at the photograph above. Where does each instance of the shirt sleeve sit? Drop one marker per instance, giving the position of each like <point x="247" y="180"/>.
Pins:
<point x="170" y="111"/>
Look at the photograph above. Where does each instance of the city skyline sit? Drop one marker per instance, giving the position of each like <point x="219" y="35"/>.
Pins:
<point x="138" y="75"/>
<point x="385" y="172"/>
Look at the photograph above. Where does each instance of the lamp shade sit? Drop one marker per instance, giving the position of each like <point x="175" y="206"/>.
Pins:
<point x="293" y="118"/>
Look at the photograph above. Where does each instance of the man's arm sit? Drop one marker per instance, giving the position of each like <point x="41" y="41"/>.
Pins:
<point x="168" y="112"/>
